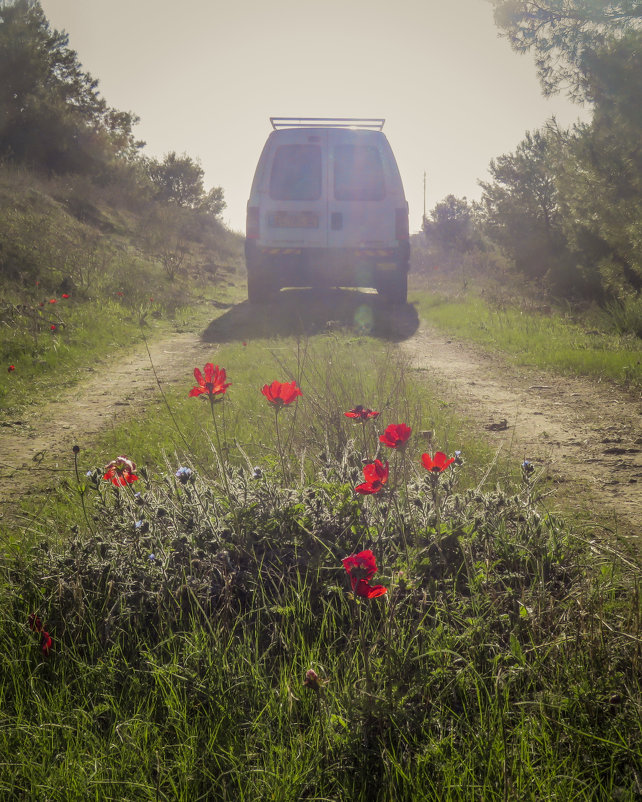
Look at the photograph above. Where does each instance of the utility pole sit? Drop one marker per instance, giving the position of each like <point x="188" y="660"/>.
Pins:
<point x="424" y="217"/>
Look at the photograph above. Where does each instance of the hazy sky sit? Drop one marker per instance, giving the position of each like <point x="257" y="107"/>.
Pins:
<point x="204" y="76"/>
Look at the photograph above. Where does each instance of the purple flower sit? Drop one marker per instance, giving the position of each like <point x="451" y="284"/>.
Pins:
<point x="183" y="475"/>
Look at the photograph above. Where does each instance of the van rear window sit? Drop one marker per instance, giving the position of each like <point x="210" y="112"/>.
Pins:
<point x="296" y="173"/>
<point x="358" y="173"/>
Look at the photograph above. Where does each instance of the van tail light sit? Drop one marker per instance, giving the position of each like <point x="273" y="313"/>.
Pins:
<point x="252" y="223"/>
<point x="401" y="224"/>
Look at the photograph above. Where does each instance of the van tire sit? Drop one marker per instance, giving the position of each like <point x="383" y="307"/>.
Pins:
<point x="394" y="290"/>
<point x="259" y="289"/>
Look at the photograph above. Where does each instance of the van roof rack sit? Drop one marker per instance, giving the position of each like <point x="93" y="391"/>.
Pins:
<point x="375" y="123"/>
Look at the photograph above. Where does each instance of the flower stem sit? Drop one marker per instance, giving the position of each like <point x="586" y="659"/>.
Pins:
<point x="221" y="462"/>
<point x="81" y="489"/>
<point x="365" y="650"/>
<point x="278" y="444"/>
<point x="365" y="439"/>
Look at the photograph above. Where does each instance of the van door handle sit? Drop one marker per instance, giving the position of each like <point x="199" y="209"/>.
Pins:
<point x="336" y="221"/>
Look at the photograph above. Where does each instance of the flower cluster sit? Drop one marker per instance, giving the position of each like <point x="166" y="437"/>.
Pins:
<point x="395" y="436"/>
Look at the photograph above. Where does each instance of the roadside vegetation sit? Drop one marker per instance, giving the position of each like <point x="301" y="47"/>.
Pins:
<point x="526" y="327"/>
<point x="243" y="593"/>
<point x="563" y="209"/>
<point x="193" y="631"/>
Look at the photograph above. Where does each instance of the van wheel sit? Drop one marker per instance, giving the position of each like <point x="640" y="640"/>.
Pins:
<point x="394" y="290"/>
<point x="259" y="289"/>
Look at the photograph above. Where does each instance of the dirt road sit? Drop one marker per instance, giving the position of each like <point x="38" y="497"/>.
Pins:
<point x="587" y="436"/>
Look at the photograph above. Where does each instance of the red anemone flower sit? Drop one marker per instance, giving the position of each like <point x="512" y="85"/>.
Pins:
<point x="280" y="394"/>
<point x="45" y="642"/>
<point x="35" y="624"/>
<point x="11" y="368"/>
<point x="53" y="327"/>
<point x="120" y="472"/>
<point x="213" y="383"/>
<point x="376" y="475"/>
<point x="53" y="301"/>
<point x="65" y="295"/>
<point x="396" y="435"/>
<point x="361" y="413"/>
<point x="361" y="567"/>
<point x="438" y="464"/>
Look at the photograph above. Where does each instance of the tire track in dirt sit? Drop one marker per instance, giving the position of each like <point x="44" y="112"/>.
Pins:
<point x="36" y="449"/>
<point x="587" y="436"/>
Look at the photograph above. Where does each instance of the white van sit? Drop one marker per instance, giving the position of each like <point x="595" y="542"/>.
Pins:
<point x="327" y="209"/>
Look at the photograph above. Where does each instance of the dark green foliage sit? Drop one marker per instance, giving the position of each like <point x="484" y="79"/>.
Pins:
<point x="179" y="180"/>
<point x="565" y="35"/>
<point x="521" y="211"/>
<point x="451" y="226"/>
<point x="583" y="235"/>
<point x="504" y="655"/>
<point x="51" y="114"/>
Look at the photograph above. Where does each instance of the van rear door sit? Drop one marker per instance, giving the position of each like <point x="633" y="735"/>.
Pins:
<point x="359" y="198"/>
<point x="295" y="211"/>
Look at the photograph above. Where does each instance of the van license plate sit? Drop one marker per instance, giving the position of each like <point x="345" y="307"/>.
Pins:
<point x="294" y="220"/>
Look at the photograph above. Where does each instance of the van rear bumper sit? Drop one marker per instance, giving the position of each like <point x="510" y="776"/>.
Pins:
<point x="326" y="267"/>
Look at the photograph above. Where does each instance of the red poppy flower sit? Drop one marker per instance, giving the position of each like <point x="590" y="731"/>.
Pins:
<point x="53" y="327"/>
<point x="396" y="435"/>
<point x="45" y="642"/>
<point x="213" y="383"/>
<point x="65" y="295"/>
<point x="361" y="413"/>
<point x="53" y="301"/>
<point x="438" y="464"/>
<point x="11" y="368"/>
<point x="120" y="294"/>
<point x="362" y="588"/>
<point x="376" y="475"/>
<point x="361" y="568"/>
<point x="120" y="472"/>
<point x="279" y="395"/>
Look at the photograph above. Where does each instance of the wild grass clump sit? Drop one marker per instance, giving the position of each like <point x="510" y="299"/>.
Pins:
<point x="208" y="642"/>
<point x="547" y="340"/>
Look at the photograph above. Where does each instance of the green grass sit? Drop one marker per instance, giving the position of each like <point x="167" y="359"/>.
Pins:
<point x="69" y="236"/>
<point x="87" y="333"/>
<point x="503" y="662"/>
<point x="336" y="372"/>
<point x="548" y="341"/>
